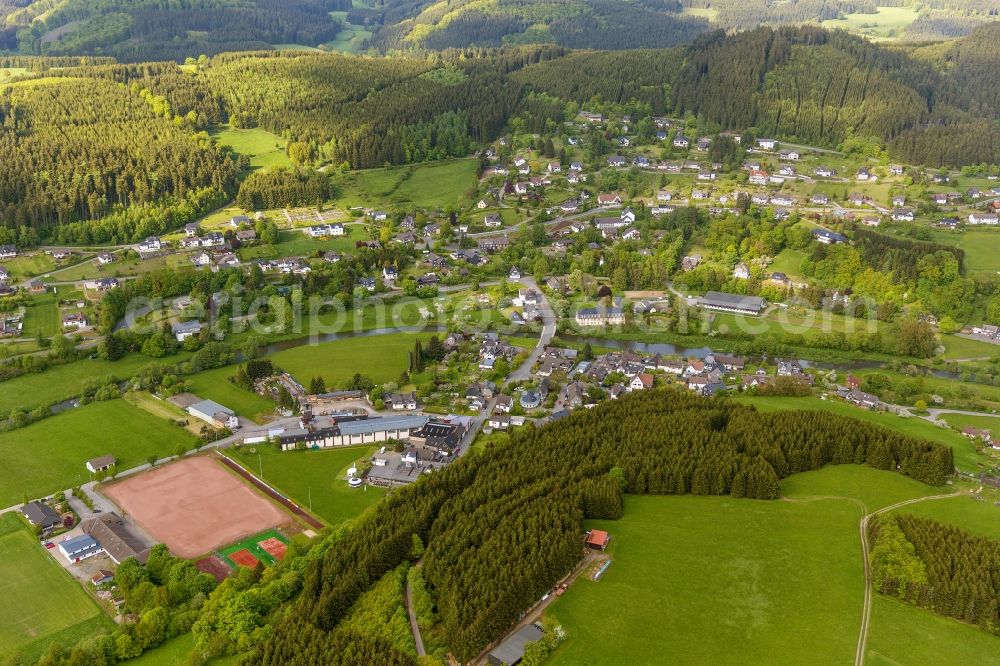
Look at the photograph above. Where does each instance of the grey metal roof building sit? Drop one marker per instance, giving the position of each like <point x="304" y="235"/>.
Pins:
<point x="511" y="651"/>
<point x="718" y="300"/>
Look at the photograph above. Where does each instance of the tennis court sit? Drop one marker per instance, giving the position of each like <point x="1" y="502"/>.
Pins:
<point x="267" y="547"/>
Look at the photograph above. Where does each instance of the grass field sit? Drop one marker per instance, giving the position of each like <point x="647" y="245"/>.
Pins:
<point x="959" y="421"/>
<point x="42" y="316"/>
<point x="788" y="262"/>
<point x="977" y="516"/>
<point x="888" y="23"/>
<point x="909" y="636"/>
<point x="433" y="184"/>
<point x="322" y="474"/>
<point x="175" y="651"/>
<point x="712" y="573"/>
<point x="956" y="347"/>
<point x="982" y="247"/>
<point x="297" y="244"/>
<point x="780" y="321"/>
<point x="966" y="457"/>
<point x="29" y="265"/>
<point x="264" y="149"/>
<point x="382" y="357"/>
<point x="41" y="598"/>
<point x="349" y="39"/>
<point x="215" y="385"/>
<point x="875" y="488"/>
<point x="774" y="582"/>
<point x="163" y="409"/>
<point x="49" y="455"/>
<point x="66" y="381"/>
<point x="250" y="544"/>
<point x="124" y="267"/>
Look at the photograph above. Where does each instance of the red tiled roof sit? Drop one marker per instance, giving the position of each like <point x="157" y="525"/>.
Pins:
<point x="598" y="538"/>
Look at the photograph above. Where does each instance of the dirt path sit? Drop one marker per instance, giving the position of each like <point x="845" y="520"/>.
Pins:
<point x="271" y="492"/>
<point x="412" y="613"/>
<point x="859" y="654"/>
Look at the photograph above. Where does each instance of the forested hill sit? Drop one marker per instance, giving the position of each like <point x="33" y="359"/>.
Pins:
<point x="593" y="24"/>
<point x="502" y="527"/>
<point x="138" y="30"/>
<point x="823" y="88"/>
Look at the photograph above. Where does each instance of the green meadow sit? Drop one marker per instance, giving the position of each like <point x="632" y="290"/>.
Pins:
<point x="265" y="150"/>
<point x="383" y="358"/>
<point x="783" y="580"/>
<point x="428" y="185"/>
<point x="66" y="381"/>
<point x="49" y="455"/>
<point x="319" y="475"/>
<point x="42" y="601"/>
<point x="215" y="385"/>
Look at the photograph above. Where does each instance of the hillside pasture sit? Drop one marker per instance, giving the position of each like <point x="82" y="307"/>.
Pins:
<point x="49" y="455"/>
<point x="428" y="185"/>
<point x="383" y="358"/>
<point x="711" y="573"/>
<point x="265" y="150"/>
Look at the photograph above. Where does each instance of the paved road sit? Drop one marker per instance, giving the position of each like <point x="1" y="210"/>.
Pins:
<point x="859" y="654"/>
<point x="523" y="372"/>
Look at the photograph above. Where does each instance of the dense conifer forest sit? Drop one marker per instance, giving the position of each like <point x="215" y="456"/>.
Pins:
<point x="138" y="30"/>
<point x="503" y="527"/>
<point x="939" y="567"/>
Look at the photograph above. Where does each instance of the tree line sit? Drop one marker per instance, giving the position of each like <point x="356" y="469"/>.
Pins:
<point x="939" y="567"/>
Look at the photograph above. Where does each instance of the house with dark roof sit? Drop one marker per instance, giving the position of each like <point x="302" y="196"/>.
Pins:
<point x="40" y="515"/>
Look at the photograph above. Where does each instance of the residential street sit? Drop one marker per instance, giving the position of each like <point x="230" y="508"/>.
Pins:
<point x="523" y="372"/>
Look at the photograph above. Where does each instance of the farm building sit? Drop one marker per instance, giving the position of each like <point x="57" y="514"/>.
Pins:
<point x="598" y="539"/>
<point x="100" y="464"/>
<point x="717" y="300"/>
<point x="214" y="414"/>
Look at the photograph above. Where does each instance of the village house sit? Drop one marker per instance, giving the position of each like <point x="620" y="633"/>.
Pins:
<point x="105" y="258"/>
<point x="981" y="219"/>
<point x="324" y="230"/>
<point x="8" y="251"/>
<point x="828" y="237"/>
<point x="742" y="271"/>
<point x="185" y="329"/>
<point x="151" y="244"/>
